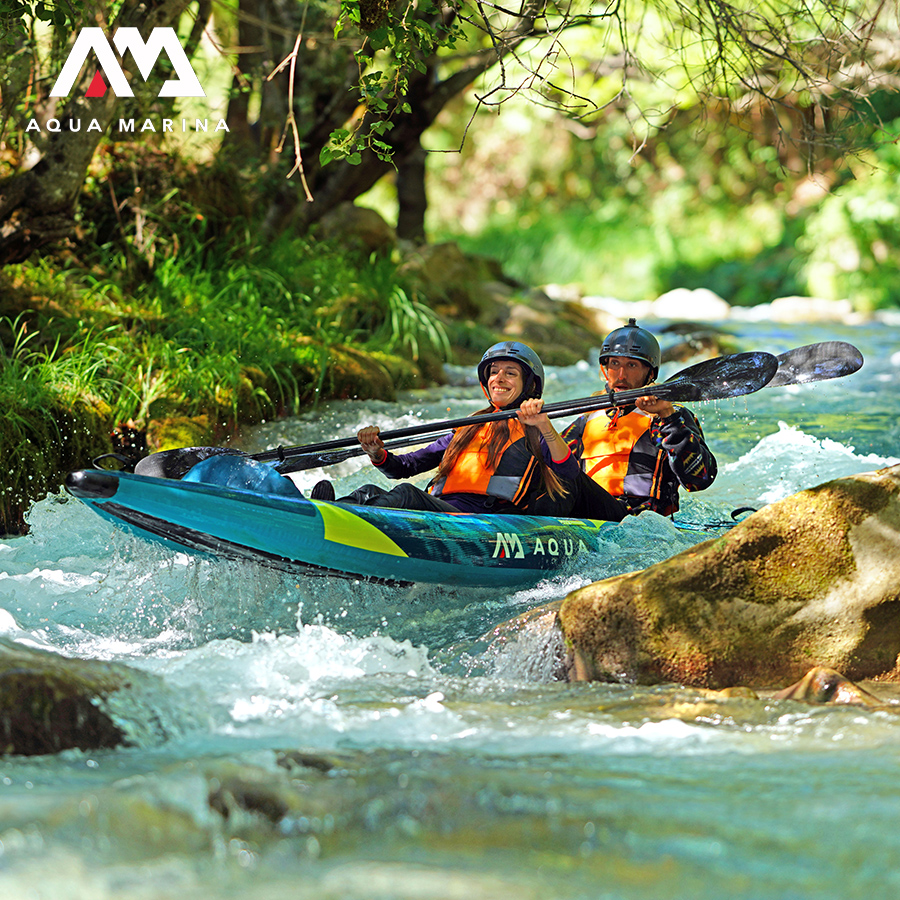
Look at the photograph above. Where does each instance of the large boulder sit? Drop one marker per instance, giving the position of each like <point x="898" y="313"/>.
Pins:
<point x="455" y="284"/>
<point x="479" y="305"/>
<point x="813" y="580"/>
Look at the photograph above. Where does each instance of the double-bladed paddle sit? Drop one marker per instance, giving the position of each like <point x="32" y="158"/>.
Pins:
<point x="714" y="379"/>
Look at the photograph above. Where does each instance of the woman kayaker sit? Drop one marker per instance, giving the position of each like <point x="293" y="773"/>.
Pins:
<point x="513" y="465"/>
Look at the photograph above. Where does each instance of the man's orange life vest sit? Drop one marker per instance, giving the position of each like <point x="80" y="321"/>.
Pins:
<point x="613" y="446"/>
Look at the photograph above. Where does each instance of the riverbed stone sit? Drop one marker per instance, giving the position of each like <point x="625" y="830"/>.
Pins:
<point x="812" y="580"/>
<point x="50" y="703"/>
<point x="358" y="226"/>
<point x="824" y="685"/>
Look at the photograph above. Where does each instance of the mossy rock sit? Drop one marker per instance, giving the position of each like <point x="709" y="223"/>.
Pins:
<point x="181" y="431"/>
<point x="50" y="703"/>
<point x="813" y="580"/>
<point x="355" y="374"/>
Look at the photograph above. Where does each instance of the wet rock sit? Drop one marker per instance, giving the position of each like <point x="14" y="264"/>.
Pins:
<point x="168" y="432"/>
<point x="50" y="703"/>
<point x="456" y="284"/>
<point x="813" y="580"/>
<point x="823" y="685"/>
<point x="562" y="332"/>
<point x="696" y="339"/>
<point x="529" y="645"/>
<point x="705" y="345"/>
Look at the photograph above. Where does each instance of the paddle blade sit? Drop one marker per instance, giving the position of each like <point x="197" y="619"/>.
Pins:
<point x="816" y="362"/>
<point x="717" y="379"/>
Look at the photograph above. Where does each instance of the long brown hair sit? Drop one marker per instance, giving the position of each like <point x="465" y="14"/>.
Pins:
<point x="499" y="437"/>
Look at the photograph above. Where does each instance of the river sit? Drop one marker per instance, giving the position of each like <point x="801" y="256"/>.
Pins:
<point x="329" y="739"/>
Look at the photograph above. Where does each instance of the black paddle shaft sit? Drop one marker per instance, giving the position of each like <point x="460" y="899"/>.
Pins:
<point x="727" y="378"/>
<point x="712" y="379"/>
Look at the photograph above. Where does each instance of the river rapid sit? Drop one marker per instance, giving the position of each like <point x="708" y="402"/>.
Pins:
<point x="331" y="739"/>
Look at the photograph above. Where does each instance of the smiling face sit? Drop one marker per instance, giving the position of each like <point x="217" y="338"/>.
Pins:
<point x="623" y="374"/>
<point x="505" y="382"/>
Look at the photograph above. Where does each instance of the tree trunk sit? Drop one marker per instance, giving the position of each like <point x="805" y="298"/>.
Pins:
<point x="265" y="32"/>
<point x="341" y="182"/>
<point x="412" y="199"/>
<point x="37" y="207"/>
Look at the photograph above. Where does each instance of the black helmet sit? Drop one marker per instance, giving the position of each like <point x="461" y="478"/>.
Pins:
<point x="524" y="356"/>
<point x="632" y="342"/>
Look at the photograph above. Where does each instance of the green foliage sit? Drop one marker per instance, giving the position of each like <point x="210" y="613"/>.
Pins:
<point x="53" y="418"/>
<point x="220" y="330"/>
<point x="852" y="242"/>
<point x="63" y="15"/>
<point x="391" y="315"/>
<point x="697" y="205"/>
<point x="223" y="325"/>
<point x="636" y="252"/>
<point x="401" y="40"/>
<point x="741" y="278"/>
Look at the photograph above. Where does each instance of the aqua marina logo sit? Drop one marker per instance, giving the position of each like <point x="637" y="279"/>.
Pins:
<point x="144" y="54"/>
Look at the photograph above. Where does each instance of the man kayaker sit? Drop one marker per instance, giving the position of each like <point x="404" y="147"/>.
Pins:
<point x="519" y="464"/>
<point x="636" y="457"/>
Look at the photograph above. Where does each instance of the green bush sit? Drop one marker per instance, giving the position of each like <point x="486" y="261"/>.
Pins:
<point x="852" y="242"/>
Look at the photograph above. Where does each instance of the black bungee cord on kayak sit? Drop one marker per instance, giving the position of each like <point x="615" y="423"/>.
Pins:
<point x="708" y="526"/>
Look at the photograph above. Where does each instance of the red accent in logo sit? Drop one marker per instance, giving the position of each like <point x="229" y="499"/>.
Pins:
<point x="98" y="86"/>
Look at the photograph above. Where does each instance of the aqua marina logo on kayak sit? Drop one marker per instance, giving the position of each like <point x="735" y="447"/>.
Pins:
<point x="508" y="545"/>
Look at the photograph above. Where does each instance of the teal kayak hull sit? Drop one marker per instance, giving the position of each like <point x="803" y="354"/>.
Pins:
<point x="333" y="539"/>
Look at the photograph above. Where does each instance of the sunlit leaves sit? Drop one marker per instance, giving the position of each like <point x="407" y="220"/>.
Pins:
<point x="63" y="15"/>
<point x="400" y="40"/>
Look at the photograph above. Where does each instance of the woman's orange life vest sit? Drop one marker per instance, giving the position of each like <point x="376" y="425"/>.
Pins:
<point x="471" y="474"/>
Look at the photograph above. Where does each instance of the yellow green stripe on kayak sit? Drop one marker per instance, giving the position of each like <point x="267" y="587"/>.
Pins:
<point x="344" y="527"/>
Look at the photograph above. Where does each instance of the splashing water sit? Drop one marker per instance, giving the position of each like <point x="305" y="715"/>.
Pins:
<point x="332" y="739"/>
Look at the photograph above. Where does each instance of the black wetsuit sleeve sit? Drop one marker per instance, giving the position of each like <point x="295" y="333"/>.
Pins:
<point x="690" y="459"/>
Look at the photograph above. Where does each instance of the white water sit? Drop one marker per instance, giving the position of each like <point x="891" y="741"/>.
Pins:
<point x="431" y="758"/>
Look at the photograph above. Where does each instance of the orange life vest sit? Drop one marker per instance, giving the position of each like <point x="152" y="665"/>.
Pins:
<point x="471" y="474"/>
<point x="608" y="446"/>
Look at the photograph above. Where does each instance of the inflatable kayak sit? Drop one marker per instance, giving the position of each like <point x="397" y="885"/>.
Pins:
<point x="311" y="537"/>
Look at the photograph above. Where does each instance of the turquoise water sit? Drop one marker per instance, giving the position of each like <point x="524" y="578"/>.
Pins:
<point x="314" y="738"/>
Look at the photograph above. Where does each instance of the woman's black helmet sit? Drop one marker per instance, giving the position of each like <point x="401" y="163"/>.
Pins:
<point x="632" y="342"/>
<point x="524" y="356"/>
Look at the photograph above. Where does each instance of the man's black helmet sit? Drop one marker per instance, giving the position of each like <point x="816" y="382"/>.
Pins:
<point x="524" y="356"/>
<point x="632" y="342"/>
